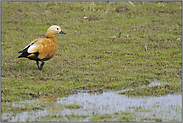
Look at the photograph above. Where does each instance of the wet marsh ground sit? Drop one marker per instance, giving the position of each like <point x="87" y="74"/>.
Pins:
<point x="107" y="106"/>
<point x="108" y="46"/>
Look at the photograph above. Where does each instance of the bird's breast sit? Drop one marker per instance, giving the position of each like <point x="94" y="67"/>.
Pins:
<point x="47" y="50"/>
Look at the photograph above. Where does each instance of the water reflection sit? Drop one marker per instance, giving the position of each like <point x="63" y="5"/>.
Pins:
<point x="167" y="107"/>
<point x="111" y="102"/>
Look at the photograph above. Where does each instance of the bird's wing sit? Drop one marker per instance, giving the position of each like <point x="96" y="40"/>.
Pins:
<point x="29" y="46"/>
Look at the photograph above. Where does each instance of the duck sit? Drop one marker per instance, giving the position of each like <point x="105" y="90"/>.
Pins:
<point x="42" y="49"/>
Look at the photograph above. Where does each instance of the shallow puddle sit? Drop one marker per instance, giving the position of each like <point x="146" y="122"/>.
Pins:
<point x="166" y="108"/>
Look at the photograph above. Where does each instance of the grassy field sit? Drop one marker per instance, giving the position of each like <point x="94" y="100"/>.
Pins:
<point x="93" y="55"/>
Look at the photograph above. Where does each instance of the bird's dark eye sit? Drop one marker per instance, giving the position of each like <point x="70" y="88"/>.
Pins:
<point x="57" y="28"/>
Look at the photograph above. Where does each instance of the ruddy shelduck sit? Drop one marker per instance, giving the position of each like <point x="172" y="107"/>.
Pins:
<point x="42" y="49"/>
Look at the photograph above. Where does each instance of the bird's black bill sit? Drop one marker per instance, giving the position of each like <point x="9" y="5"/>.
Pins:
<point x="62" y="32"/>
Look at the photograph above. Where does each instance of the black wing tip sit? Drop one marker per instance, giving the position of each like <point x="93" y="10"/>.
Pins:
<point x="24" y="54"/>
<point x="20" y="56"/>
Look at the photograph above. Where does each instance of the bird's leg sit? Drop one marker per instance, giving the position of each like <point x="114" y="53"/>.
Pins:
<point x="40" y="68"/>
<point x="37" y="64"/>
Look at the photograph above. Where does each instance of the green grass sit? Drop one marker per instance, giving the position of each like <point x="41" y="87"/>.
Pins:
<point x="21" y="107"/>
<point x="153" y="119"/>
<point x="153" y="91"/>
<point x="116" y="117"/>
<point x="101" y="118"/>
<point x="91" y="56"/>
<point x="73" y="106"/>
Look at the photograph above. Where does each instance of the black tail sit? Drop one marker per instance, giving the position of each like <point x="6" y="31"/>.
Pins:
<point x="20" y="51"/>
<point x="24" y="51"/>
<point x="24" y="54"/>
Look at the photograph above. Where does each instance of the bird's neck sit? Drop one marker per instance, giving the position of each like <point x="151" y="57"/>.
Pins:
<point x="52" y="38"/>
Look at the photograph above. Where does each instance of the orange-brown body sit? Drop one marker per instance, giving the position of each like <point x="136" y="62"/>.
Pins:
<point x="47" y="48"/>
<point x="42" y="49"/>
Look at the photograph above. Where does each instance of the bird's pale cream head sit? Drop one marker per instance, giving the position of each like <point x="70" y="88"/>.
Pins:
<point x="52" y="30"/>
